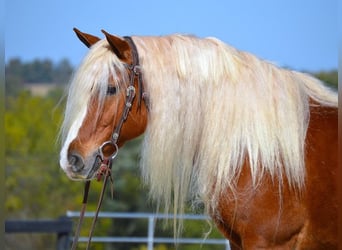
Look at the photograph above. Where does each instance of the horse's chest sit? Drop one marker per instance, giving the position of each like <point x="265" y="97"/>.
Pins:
<point x="264" y="215"/>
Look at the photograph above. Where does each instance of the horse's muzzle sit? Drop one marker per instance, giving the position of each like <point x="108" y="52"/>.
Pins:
<point x="82" y="169"/>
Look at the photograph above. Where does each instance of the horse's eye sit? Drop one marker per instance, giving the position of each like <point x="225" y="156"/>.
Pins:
<point x="111" y="90"/>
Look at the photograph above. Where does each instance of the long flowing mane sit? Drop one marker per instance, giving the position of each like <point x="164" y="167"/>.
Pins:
<point x="213" y="107"/>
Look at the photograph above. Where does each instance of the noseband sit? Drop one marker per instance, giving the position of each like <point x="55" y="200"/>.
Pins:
<point x="103" y="163"/>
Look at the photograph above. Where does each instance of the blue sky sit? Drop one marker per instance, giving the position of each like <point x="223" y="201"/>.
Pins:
<point x="300" y="34"/>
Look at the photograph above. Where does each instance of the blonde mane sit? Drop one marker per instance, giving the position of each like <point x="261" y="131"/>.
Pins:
<point x="213" y="107"/>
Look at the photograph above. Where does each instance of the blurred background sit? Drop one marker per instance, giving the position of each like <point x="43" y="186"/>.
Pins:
<point x="41" y="53"/>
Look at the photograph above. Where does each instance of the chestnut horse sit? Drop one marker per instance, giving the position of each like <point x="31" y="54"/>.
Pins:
<point x="255" y="143"/>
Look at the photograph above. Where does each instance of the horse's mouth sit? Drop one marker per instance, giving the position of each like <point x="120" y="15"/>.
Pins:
<point x="94" y="169"/>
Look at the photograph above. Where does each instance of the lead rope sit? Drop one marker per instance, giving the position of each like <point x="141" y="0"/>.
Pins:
<point x="80" y="221"/>
<point x="105" y="170"/>
<point x="107" y="164"/>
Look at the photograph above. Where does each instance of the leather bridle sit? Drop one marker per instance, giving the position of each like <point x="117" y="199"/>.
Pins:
<point x="103" y="162"/>
<point x="134" y="75"/>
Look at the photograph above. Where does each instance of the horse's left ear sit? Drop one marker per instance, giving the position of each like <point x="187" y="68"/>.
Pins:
<point x="119" y="46"/>
<point x="85" y="38"/>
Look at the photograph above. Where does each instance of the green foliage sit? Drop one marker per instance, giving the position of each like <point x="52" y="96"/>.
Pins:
<point x="32" y="172"/>
<point x="329" y="77"/>
<point x="35" y="185"/>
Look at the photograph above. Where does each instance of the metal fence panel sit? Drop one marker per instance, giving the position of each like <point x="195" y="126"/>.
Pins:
<point x="150" y="239"/>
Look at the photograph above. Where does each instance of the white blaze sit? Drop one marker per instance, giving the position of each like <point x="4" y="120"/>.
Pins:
<point x="72" y="134"/>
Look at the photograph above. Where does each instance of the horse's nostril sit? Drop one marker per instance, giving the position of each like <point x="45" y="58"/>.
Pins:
<point x="76" y="162"/>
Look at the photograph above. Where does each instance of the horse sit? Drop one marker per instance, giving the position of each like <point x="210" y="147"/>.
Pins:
<point x="254" y="142"/>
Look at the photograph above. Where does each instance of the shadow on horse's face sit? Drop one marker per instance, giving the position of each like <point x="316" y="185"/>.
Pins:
<point x="89" y="139"/>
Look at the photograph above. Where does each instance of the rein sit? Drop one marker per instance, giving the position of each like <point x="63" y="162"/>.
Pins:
<point x="106" y="161"/>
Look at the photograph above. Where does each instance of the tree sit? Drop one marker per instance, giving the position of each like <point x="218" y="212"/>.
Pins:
<point x="38" y="71"/>
<point x="14" y="80"/>
<point x="62" y="72"/>
<point x="329" y="77"/>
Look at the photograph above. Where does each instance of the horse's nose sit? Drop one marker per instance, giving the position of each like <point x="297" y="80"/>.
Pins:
<point x="76" y="162"/>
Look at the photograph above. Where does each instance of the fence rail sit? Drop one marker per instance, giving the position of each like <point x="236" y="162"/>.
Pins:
<point x="63" y="227"/>
<point x="150" y="239"/>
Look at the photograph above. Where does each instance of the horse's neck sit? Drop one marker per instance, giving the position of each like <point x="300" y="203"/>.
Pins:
<point x="322" y="118"/>
<point x="322" y="138"/>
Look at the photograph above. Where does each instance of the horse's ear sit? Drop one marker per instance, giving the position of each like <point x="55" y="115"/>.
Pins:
<point x="119" y="46"/>
<point x="85" y="38"/>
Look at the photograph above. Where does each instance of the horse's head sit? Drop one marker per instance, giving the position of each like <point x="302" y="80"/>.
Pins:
<point x="98" y="119"/>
